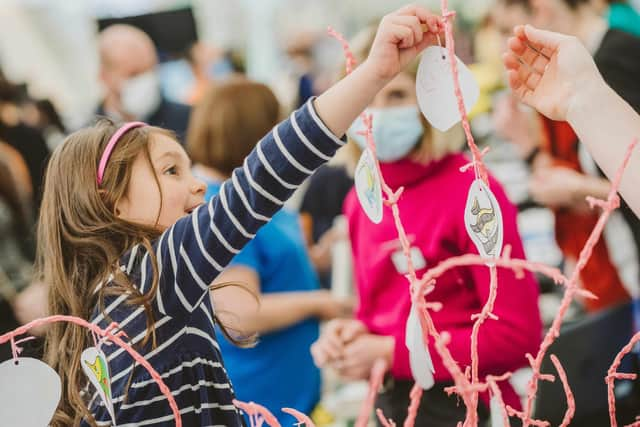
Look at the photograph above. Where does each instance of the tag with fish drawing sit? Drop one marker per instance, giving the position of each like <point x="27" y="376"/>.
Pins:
<point x="368" y="187"/>
<point x="95" y="367"/>
<point x="483" y="220"/>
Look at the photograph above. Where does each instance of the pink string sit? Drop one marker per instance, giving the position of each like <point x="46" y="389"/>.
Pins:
<point x="608" y="206"/>
<point x="300" y="417"/>
<point x="571" y="403"/>
<point x="386" y="422"/>
<point x="16" y="349"/>
<point x="412" y="413"/>
<point x="107" y="333"/>
<point x="613" y="374"/>
<point x="478" y="165"/>
<point x="375" y="382"/>
<point x="255" y="410"/>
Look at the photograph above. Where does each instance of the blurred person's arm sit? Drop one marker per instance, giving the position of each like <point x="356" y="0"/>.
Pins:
<point x="272" y="311"/>
<point x="555" y="74"/>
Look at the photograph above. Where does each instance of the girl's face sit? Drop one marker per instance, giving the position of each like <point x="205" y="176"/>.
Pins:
<point x="399" y="92"/>
<point x="181" y="191"/>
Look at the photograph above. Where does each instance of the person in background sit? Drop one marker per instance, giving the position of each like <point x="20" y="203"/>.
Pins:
<point x="563" y="174"/>
<point x="42" y="115"/>
<point x="16" y="218"/>
<point x="26" y="140"/>
<point x="275" y="266"/>
<point x="128" y="62"/>
<point x="620" y="15"/>
<point x="427" y="164"/>
<point x="318" y="211"/>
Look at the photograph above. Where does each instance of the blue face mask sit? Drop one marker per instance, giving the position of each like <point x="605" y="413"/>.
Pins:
<point x="396" y="131"/>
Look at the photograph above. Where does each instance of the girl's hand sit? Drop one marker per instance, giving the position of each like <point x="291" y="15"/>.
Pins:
<point x="401" y="36"/>
<point x="360" y="355"/>
<point x="549" y="71"/>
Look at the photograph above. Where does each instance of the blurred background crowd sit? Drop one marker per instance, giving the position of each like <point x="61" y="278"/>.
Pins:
<point x="169" y="63"/>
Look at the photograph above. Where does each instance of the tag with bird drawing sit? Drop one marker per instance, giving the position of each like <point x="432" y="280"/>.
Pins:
<point x="95" y="367"/>
<point x="483" y="220"/>
<point x="368" y="188"/>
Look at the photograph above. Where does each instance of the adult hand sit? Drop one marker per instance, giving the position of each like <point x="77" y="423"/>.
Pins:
<point x="549" y="71"/>
<point x="360" y="355"/>
<point x="330" y="346"/>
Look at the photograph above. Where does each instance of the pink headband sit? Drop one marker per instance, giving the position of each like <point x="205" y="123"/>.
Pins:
<point x="111" y="145"/>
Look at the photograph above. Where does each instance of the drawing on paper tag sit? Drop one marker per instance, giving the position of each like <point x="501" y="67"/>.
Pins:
<point x="368" y="187"/>
<point x="30" y="391"/>
<point x="483" y="220"/>
<point x="435" y="90"/>
<point x="419" y="357"/>
<point x="95" y="367"/>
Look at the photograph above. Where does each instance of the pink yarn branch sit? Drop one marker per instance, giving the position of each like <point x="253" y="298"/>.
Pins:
<point x="257" y="414"/>
<point x="412" y="413"/>
<point x="375" y="382"/>
<point x="386" y="422"/>
<point x="108" y="334"/>
<point x="300" y="417"/>
<point x="478" y="164"/>
<point x="571" y="403"/>
<point x="495" y="391"/>
<point x="613" y="374"/>
<point x="572" y="286"/>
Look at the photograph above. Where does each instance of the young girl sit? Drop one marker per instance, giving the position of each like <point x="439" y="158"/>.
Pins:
<point x="125" y="236"/>
<point x="224" y="128"/>
<point x="424" y="162"/>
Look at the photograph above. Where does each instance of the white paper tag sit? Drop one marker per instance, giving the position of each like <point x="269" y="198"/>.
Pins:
<point x="400" y="261"/>
<point x="483" y="220"/>
<point x="29" y="393"/>
<point x="435" y="91"/>
<point x="419" y="357"/>
<point x="96" y="368"/>
<point x="368" y="187"/>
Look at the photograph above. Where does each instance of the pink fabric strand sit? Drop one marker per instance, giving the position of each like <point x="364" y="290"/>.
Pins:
<point x="613" y="374"/>
<point x="375" y="382"/>
<point x="111" y="336"/>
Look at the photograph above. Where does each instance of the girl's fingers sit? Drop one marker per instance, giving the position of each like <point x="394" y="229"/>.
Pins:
<point x="413" y="23"/>
<point x="402" y="35"/>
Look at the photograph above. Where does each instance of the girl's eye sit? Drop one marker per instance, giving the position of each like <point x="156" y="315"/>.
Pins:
<point x="171" y="171"/>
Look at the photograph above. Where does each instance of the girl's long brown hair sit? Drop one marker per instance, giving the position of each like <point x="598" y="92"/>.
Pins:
<point x="80" y="240"/>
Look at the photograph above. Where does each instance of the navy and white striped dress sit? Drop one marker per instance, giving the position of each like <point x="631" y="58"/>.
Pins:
<point x="190" y="255"/>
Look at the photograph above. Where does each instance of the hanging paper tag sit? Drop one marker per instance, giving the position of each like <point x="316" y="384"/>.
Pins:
<point x="95" y="367"/>
<point x="29" y="393"/>
<point x="419" y="357"/>
<point x="483" y="220"/>
<point x="435" y="91"/>
<point x="400" y="261"/>
<point x="368" y="187"/>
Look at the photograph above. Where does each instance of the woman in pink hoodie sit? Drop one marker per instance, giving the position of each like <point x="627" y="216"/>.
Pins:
<point x="427" y="164"/>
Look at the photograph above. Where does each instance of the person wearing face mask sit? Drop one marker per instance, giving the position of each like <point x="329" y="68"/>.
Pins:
<point x="128" y="62"/>
<point x="427" y="164"/>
